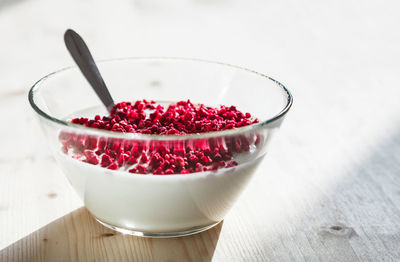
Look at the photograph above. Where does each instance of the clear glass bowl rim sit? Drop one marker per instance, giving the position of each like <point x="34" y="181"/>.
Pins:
<point x="229" y="132"/>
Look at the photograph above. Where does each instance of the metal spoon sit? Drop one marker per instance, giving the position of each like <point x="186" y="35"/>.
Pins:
<point x="81" y="54"/>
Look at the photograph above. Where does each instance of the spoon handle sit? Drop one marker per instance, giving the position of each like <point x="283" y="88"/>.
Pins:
<point x="81" y="54"/>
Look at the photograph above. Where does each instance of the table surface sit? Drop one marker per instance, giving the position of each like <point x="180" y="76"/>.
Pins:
<point x="329" y="190"/>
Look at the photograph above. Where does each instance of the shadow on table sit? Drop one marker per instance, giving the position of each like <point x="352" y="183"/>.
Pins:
<point x="6" y="3"/>
<point x="353" y="218"/>
<point x="79" y="237"/>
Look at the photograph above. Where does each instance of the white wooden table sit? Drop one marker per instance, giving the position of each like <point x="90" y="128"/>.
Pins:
<point x="329" y="189"/>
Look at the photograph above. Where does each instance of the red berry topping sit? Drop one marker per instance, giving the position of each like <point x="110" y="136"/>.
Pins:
<point x="161" y="157"/>
<point x="180" y="118"/>
<point x="91" y="157"/>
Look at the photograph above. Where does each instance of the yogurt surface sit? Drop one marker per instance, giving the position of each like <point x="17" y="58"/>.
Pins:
<point x="157" y="203"/>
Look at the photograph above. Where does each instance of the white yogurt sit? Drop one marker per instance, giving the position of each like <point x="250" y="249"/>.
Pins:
<point x="157" y="203"/>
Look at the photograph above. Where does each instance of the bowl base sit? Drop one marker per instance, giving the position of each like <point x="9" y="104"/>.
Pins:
<point x="158" y="235"/>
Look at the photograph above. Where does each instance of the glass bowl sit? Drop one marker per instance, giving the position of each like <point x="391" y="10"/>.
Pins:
<point x="159" y="205"/>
